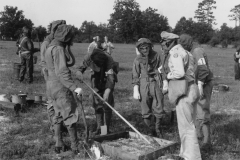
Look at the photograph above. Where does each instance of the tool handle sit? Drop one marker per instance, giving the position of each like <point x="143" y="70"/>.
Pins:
<point x="118" y="114"/>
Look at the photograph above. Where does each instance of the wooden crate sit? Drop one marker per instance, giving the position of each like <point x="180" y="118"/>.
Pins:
<point x="120" y="153"/>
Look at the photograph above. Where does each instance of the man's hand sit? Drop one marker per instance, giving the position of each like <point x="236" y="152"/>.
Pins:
<point x="165" y="87"/>
<point x="106" y="94"/>
<point x="79" y="91"/>
<point x="136" y="94"/>
<point x="200" y="88"/>
<point x="79" y="75"/>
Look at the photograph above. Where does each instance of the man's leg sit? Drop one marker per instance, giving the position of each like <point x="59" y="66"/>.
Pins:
<point x="29" y="68"/>
<point x="185" y="118"/>
<point x="23" y="68"/>
<point x="158" y="107"/>
<point x="203" y="116"/>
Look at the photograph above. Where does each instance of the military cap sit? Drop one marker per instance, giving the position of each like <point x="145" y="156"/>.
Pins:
<point x="143" y="41"/>
<point x="166" y="36"/>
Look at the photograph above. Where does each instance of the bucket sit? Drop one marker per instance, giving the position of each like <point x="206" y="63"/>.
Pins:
<point x="34" y="59"/>
<point x="22" y="98"/>
<point x="16" y="70"/>
<point x="38" y="99"/>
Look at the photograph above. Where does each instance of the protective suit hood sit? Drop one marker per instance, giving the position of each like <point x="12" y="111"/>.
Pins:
<point x="186" y="41"/>
<point x="142" y="42"/>
<point x="53" y="27"/>
<point x="64" y="33"/>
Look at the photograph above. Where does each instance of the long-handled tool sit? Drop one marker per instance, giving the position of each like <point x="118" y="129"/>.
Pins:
<point x="154" y="141"/>
<point x="86" y="144"/>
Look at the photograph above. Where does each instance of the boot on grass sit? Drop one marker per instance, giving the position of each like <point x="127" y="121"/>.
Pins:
<point x="72" y="130"/>
<point x="59" y="146"/>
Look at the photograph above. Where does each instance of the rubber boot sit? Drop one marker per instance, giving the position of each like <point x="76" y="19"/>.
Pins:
<point x="99" y="119"/>
<point x="198" y="129"/>
<point x="158" y="128"/>
<point x="72" y="130"/>
<point x="151" y="127"/>
<point x="108" y="117"/>
<point x="59" y="146"/>
<point x="206" y="144"/>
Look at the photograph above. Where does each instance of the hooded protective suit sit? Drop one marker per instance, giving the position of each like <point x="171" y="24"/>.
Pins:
<point x="147" y="79"/>
<point x="181" y="65"/>
<point x="204" y="78"/>
<point x="103" y="80"/>
<point x="60" y="85"/>
<point x="44" y="46"/>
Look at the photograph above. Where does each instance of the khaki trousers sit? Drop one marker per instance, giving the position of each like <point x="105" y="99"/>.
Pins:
<point x="186" y="114"/>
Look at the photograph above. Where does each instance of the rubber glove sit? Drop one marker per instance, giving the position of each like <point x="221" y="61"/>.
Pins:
<point x="106" y="94"/>
<point x="79" y="91"/>
<point x="136" y="94"/>
<point x="200" y="88"/>
<point x="165" y="87"/>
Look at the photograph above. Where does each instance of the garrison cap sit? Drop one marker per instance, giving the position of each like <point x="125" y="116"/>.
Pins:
<point x="143" y="41"/>
<point x="166" y="36"/>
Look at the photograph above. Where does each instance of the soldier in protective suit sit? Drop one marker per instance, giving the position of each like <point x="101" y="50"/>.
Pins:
<point x="180" y="65"/>
<point x="147" y="82"/>
<point x="204" y="78"/>
<point x="103" y="79"/>
<point x="52" y="28"/>
<point x="61" y="87"/>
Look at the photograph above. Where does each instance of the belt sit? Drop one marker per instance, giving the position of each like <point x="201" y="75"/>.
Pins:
<point x="149" y="79"/>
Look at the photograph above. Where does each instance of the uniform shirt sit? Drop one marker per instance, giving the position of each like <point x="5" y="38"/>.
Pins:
<point x="181" y="64"/>
<point x="202" y="70"/>
<point x="26" y="44"/>
<point x="144" y="67"/>
<point x="92" y="46"/>
<point x="108" y="46"/>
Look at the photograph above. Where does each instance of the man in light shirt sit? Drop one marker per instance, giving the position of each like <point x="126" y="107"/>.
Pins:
<point x="107" y="45"/>
<point x="93" y="45"/>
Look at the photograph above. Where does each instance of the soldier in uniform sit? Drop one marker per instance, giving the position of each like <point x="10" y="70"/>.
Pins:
<point x="26" y="52"/>
<point x="147" y="82"/>
<point x="61" y="87"/>
<point x="181" y="66"/>
<point x="103" y="80"/>
<point x="52" y="28"/>
<point x="204" y="78"/>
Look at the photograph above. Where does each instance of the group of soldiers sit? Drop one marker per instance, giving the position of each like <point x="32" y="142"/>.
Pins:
<point x="182" y="72"/>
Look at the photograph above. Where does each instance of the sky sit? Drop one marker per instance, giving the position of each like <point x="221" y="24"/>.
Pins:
<point x="75" y="12"/>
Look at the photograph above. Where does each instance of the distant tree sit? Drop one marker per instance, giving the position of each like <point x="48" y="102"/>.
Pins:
<point x="204" y="12"/>
<point x="88" y="30"/>
<point x="184" y="26"/>
<point x="153" y="24"/>
<point x="226" y="34"/>
<point x="39" y="33"/>
<point x="11" y="20"/>
<point x="235" y="16"/>
<point x="125" y="19"/>
<point x="202" y="32"/>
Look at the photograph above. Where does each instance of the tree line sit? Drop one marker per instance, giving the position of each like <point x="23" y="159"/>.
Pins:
<point x="128" y="23"/>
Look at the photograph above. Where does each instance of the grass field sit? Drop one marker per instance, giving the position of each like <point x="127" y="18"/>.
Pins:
<point x="28" y="136"/>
